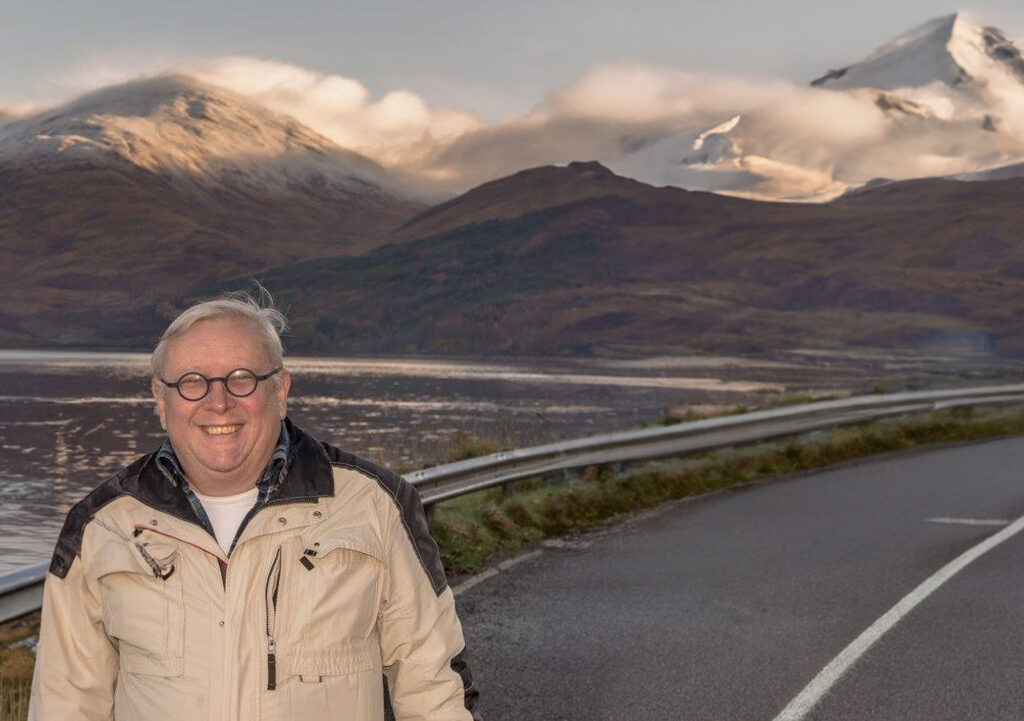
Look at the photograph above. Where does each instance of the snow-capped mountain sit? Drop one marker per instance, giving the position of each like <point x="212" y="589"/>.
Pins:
<point x="947" y="50"/>
<point x="176" y="126"/>
<point x="943" y="99"/>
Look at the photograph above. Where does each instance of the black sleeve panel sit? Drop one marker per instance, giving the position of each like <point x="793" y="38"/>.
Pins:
<point x="410" y="508"/>
<point x="472" y="695"/>
<point x="69" y="543"/>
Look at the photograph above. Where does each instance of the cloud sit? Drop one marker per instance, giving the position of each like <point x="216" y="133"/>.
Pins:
<point x="789" y="141"/>
<point x="792" y="141"/>
<point x="398" y="130"/>
<point x="17" y="111"/>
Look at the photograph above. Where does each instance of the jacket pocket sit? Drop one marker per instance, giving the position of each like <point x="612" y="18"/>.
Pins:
<point x="333" y="591"/>
<point x="143" y="608"/>
<point x="339" y="660"/>
<point x="321" y="683"/>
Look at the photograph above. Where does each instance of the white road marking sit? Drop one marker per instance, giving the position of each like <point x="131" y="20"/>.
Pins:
<point x="970" y="521"/>
<point x="800" y="706"/>
<point x="484" y="575"/>
<point x="473" y="580"/>
<point x="505" y="565"/>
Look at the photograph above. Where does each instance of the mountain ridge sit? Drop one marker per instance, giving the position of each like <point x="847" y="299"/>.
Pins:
<point x="178" y="125"/>
<point x="917" y="265"/>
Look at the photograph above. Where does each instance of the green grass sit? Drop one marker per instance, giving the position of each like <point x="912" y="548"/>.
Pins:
<point x="471" y="531"/>
<point x="16" y="668"/>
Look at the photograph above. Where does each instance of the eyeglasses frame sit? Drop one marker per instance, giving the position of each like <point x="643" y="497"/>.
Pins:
<point x="224" y="379"/>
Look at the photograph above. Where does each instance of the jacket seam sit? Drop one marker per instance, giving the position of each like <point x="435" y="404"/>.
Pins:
<point x="401" y="516"/>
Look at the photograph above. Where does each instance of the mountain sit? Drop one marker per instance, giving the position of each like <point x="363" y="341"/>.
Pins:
<point x="941" y="99"/>
<point x="572" y="260"/>
<point x="947" y="50"/>
<point x="194" y="133"/>
<point x="611" y="266"/>
<point x="519" y="194"/>
<point x="138" y="192"/>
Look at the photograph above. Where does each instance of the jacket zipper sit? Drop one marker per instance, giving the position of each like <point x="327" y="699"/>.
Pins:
<point x="273" y="584"/>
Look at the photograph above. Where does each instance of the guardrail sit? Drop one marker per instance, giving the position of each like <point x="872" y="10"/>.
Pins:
<point x="21" y="591"/>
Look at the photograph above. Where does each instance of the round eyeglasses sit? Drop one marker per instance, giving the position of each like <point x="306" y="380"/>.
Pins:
<point x="240" y="382"/>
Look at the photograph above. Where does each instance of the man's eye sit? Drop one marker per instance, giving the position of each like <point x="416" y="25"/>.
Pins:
<point x="191" y="383"/>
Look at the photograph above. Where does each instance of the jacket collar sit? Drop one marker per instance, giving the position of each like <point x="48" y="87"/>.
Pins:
<point x="268" y="482"/>
<point x="307" y="478"/>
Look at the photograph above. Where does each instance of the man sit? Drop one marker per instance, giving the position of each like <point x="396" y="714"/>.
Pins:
<point x="245" y="570"/>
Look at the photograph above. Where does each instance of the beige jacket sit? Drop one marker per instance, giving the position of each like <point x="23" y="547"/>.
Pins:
<point x="330" y="585"/>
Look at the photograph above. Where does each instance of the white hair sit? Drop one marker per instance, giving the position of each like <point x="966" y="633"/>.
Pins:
<point x="258" y="308"/>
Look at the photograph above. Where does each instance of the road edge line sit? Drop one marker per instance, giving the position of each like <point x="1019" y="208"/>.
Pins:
<point x="493" y="571"/>
<point x="808" y="698"/>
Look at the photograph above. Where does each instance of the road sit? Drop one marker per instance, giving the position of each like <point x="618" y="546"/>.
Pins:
<point x="727" y="607"/>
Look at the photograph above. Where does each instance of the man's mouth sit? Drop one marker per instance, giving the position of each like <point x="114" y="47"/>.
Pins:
<point x="221" y="430"/>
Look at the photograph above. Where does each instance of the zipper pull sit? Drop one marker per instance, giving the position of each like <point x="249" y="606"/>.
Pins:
<point x="271" y="664"/>
<point x="306" y="561"/>
<point x="159" y="572"/>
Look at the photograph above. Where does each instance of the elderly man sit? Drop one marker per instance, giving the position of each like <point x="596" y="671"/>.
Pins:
<point x="245" y="570"/>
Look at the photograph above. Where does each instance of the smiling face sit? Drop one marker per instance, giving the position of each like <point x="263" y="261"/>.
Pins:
<point x="222" y="442"/>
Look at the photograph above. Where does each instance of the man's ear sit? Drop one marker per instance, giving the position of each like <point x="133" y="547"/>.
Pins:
<point x="158" y="390"/>
<point x="281" y="392"/>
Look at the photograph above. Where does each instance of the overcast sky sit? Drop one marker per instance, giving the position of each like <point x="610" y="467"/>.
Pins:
<point x="493" y="58"/>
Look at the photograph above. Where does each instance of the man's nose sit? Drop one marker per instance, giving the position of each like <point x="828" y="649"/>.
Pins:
<point x="218" y="399"/>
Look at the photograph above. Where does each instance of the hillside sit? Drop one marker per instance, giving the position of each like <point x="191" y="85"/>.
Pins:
<point x="931" y="265"/>
<point x="134" y="194"/>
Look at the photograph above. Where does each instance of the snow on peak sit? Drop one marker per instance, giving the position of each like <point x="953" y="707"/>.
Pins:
<point x="177" y="125"/>
<point x="918" y="57"/>
<point x="946" y="97"/>
<point x="720" y="129"/>
<point x="947" y="50"/>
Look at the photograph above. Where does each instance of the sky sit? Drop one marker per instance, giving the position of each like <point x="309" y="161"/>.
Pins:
<point x="491" y="58"/>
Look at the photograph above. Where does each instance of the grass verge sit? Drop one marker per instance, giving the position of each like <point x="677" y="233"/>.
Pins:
<point x="16" y="664"/>
<point x="473" y="530"/>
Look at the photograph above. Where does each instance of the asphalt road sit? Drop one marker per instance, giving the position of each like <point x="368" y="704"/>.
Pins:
<point x="727" y="607"/>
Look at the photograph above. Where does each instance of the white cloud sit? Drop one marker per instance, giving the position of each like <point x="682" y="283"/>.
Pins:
<point x="397" y="130"/>
<point x="790" y="140"/>
<point x="16" y="111"/>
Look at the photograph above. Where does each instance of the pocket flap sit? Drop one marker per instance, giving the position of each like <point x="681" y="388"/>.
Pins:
<point x="360" y="539"/>
<point x="116" y="556"/>
<point x="147" y="554"/>
<point x="135" y="660"/>
<point x="336" y="660"/>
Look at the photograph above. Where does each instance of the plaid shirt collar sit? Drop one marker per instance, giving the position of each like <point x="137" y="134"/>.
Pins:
<point x="268" y="483"/>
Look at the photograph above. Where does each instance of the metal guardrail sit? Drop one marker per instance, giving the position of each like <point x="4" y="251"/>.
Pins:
<point x="21" y="591"/>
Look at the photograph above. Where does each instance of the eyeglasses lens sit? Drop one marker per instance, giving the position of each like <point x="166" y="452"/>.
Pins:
<point x="241" y="382"/>
<point x="192" y="386"/>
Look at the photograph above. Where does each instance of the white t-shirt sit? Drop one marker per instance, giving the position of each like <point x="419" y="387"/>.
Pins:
<point x="226" y="513"/>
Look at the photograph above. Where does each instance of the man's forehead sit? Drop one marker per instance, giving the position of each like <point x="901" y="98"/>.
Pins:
<point x="215" y="342"/>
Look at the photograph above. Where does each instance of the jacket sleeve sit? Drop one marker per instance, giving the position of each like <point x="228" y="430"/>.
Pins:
<point x="76" y="663"/>
<point x="422" y="646"/>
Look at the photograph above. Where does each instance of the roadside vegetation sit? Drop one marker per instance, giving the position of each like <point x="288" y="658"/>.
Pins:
<point x="475" y="530"/>
<point x="16" y="662"/>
